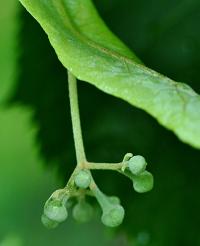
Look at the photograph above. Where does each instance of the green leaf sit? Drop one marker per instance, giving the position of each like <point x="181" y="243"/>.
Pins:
<point x="93" y="54"/>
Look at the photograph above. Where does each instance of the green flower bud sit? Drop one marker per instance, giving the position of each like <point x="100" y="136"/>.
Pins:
<point x="83" y="179"/>
<point x="137" y="164"/>
<point x="114" y="199"/>
<point x="82" y="212"/>
<point x="55" y="210"/>
<point x="143" y="182"/>
<point x="113" y="215"/>
<point x="50" y="224"/>
<point x="113" y="212"/>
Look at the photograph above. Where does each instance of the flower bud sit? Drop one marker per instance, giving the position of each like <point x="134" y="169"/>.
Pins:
<point x="82" y="212"/>
<point x="55" y="210"/>
<point x="114" y="199"/>
<point x="137" y="164"/>
<point x="113" y="212"/>
<point x="83" y="179"/>
<point x="143" y="182"/>
<point x="113" y="215"/>
<point x="50" y="224"/>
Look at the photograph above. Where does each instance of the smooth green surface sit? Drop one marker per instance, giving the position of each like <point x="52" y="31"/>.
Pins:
<point x="92" y="54"/>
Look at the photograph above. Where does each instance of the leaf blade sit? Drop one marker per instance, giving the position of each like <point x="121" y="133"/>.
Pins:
<point x="105" y="62"/>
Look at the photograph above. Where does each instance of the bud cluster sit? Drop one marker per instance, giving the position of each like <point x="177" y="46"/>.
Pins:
<point x="82" y="183"/>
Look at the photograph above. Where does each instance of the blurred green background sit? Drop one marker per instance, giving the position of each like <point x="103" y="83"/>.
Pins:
<point x="36" y="145"/>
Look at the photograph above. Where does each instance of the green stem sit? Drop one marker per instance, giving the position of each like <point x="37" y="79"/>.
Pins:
<point x="104" y="166"/>
<point x="76" y="124"/>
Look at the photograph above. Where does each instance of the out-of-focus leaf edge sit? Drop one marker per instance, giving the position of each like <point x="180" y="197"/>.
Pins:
<point x="87" y="48"/>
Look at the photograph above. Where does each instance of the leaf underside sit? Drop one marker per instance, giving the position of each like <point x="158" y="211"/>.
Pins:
<point x="86" y="47"/>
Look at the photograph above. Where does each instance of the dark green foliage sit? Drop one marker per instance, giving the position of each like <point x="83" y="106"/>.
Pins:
<point x="42" y="85"/>
<point x="165" y="36"/>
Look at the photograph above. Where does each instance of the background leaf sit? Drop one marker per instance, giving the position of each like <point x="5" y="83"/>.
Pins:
<point x="8" y="43"/>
